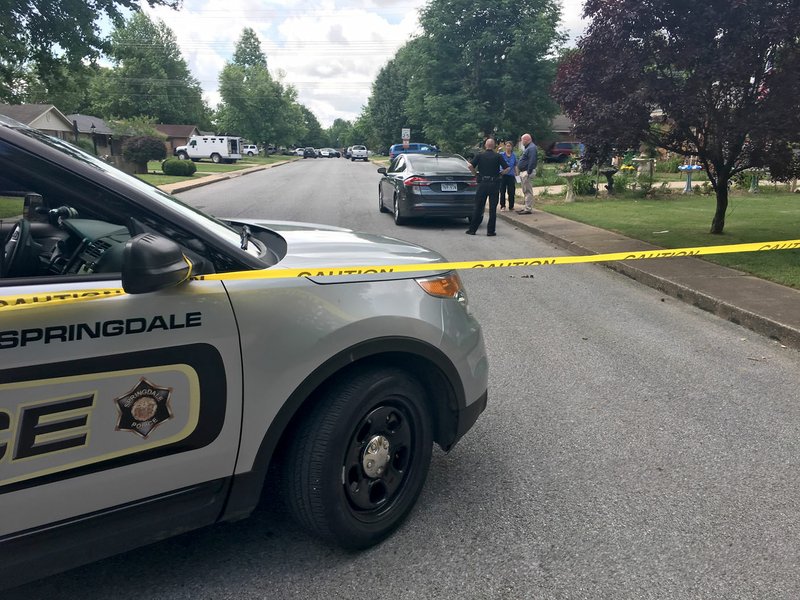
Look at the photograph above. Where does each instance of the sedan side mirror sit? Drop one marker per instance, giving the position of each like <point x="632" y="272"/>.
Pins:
<point x="382" y="170"/>
<point x="151" y="262"/>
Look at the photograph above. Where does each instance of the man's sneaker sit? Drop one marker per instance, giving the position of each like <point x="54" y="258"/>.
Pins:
<point x="469" y="232"/>
<point x="522" y="211"/>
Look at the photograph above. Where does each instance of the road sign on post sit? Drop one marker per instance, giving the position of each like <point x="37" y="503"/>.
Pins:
<point x="405" y="134"/>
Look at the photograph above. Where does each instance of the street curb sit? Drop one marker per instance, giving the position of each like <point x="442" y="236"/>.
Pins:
<point x="781" y="332"/>
<point x="176" y="188"/>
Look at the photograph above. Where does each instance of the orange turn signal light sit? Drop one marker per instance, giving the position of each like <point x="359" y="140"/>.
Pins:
<point x="442" y="286"/>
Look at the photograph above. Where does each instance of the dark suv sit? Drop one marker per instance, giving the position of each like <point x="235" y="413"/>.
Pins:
<point x="309" y="153"/>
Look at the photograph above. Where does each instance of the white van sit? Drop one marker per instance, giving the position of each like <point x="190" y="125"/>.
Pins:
<point x="219" y="148"/>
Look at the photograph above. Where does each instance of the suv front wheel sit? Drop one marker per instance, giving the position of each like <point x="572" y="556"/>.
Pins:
<point x="358" y="462"/>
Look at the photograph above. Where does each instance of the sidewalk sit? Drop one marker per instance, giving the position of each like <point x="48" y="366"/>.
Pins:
<point x="175" y="188"/>
<point x="767" y="308"/>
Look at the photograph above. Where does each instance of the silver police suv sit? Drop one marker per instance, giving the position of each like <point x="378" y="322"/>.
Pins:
<point x="129" y="416"/>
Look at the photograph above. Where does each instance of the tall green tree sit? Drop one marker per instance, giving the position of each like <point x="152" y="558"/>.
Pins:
<point x="313" y="134"/>
<point x="718" y="79"/>
<point x="46" y="36"/>
<point x="339" y="133"/>
<point x="387" y="101"/>
<point x="149" y="77"/>
<point x="480" y="69"/>
<point x="254" y="104"/>
<point x="71" y="94"/>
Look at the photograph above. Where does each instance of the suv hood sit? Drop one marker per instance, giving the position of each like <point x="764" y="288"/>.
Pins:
<point x="319" y="247"/>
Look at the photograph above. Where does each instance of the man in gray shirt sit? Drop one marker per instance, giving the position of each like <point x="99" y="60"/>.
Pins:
<point x="526" y="169"/>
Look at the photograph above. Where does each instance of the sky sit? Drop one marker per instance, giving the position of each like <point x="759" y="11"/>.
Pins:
<point x="329" y="50"/>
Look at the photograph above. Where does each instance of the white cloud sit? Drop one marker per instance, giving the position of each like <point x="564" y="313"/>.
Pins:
<point x="330" y="50"/>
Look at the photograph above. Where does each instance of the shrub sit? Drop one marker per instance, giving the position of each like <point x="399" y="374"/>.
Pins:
<point x="583" y="185"/>
<point x="85" y="145"/>
<point x="622" y="182"/>
<point x="143" y="148"/>
<point x="178" y="167"/>
<point x="670" y="165"/>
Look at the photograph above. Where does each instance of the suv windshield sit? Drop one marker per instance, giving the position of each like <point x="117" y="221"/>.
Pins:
<point x="220" y="229"/>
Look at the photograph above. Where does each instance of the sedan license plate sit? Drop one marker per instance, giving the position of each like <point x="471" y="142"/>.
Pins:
<point x="449" y="187"/>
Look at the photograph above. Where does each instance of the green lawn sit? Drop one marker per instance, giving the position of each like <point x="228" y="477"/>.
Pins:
<point x="10" y="206"/>
<point x="674" y="221"/>
<point x="160" y="179"/>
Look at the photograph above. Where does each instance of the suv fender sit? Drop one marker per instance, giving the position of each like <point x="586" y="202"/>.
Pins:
<point x="436" y="373"/>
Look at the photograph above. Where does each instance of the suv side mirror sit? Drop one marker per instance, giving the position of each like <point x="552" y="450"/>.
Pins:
<point x="151" y="262"/>
<point x="382" y="170"/>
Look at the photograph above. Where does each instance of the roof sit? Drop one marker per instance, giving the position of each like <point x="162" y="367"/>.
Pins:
<point x="562" y="123"/>
<point x="28" y="113"/>
<point x="177" y="131"/>
<point x="85" y="123"/>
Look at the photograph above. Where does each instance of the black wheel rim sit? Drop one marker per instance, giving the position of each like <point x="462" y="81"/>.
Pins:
<point x="371" y="496"/>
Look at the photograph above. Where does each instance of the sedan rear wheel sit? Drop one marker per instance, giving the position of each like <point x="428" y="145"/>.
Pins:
<point x="381" y="207"/>
<point x="398" y="220"/>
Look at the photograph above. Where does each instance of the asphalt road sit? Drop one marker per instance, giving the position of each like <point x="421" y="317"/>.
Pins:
<point x="633" y="447"/>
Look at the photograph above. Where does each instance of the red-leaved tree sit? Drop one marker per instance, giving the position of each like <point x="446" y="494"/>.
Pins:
<point x="719" y="79"/>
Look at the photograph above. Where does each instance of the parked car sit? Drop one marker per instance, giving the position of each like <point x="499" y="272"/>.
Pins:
<point x="328" y="153"/>
<point x="562" y="151"/>
<point x="309" y="153"/>
<point x="300" y="151"/>
<point x="250" y="150"/>
<point x="414" y="148"/>
<point x="427" y="185"/>
<point x="159" y="405"/>
<point x="349" y="152"/>
<point x="359" y="153"/>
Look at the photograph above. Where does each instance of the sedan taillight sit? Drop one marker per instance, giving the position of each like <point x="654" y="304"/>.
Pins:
<point x="472" y="182"/>
<point x="416" y="181"/>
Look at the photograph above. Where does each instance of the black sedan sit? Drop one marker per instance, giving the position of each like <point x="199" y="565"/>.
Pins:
<point x="424" y="185"/>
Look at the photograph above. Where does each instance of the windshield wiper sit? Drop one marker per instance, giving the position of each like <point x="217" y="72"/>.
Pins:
<point x="244" y="236"/>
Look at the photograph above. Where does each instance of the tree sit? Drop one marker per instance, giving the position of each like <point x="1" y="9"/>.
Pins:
<point x="313" y="134"/>
<point x="254" y="105"/>
<point x="480" y="69"/>
<point x="718" y="79"/>
<point x="387" y="101"/>
<point x="339" y="133"/>
<point x="46" y="36"/>
<point x="68" y="90"/>
<point x="150" y="77"/>
<point x="143" y="148"/>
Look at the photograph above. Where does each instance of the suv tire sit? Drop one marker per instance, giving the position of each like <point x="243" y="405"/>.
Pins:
<point x="359" y="460"/>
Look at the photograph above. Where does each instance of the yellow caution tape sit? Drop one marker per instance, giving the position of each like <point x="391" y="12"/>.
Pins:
<point x="31" y="300"/>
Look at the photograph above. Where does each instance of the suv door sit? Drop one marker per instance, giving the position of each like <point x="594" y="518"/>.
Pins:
<point x="125" y="409"/>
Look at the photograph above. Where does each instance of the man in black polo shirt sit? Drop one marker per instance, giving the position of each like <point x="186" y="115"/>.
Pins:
<point x="489" y="166"/>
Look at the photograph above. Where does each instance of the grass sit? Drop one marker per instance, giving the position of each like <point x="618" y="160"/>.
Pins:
<point x="674" y="221"/>
<point x="10" y="206"/>
<point x="156" y="177"/>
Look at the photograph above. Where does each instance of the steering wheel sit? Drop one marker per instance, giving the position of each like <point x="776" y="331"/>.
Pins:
<point x="14" y="246"/>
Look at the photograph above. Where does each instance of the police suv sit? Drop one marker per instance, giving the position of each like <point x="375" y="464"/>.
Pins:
<point x="154" y="369"/>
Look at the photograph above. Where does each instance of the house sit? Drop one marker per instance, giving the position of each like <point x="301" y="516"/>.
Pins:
<point x="97" y="132"/>
<point x="44" y="117"/>
<point x="562" y="126"/>
<point x="177" y="135"/>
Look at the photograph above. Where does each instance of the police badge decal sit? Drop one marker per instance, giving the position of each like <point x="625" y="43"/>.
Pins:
<point x="143" y="408"/>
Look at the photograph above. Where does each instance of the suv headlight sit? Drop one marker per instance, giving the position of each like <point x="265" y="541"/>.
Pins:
<point x="445" y="286"/>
